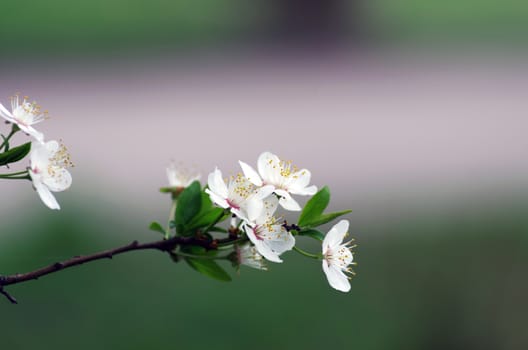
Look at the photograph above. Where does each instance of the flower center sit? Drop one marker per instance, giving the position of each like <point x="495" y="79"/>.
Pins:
<point x="61" y="158"/>
<point x="232" y="204"/>
<point x="26" y="113"/>
<point x="257" y="230"/>
<point x="241" y="186"/>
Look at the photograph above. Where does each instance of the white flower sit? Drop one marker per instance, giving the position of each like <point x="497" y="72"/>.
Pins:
<point x="281" y="175"/>
<point x="24" y="114"/>
<point x="248" y="255"/>
<point x="269" y="237"/>
<point x="337" y="257"/>
<point x="48" y="170"/>
<point x="240" y="196"/>
<point x="179" y="177"/>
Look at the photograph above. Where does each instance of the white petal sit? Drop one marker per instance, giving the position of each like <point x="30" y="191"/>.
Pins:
<point x="254" y="207"/>
<point x="287" y="202"/>
<point x="241" y="214"/>
<point x="299" y="180"/>
<point x="6" y="114"/>
<point x="60" y="181"/>
<point x="286" y="243"/>
<point x="270" y="207"/>
<point x="307" y="191"/>
<point x="45" y="195"/>
<point x="216" y="199"/>
<point x="336" y="278"/>
<point x="269" y="167"/>
<point x="335" y="236"/>
<point x="39" y="157"/>
<point x="267" y="252"/>
<point x="251" y="174"/>
<point x="217" y="184"/>
<point x="265" y="191"/>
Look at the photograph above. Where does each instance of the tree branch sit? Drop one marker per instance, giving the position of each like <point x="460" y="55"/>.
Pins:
<point x="166" y="245"/>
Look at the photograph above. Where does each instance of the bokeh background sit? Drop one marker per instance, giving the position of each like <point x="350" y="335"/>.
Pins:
<point x="414" y="113"/>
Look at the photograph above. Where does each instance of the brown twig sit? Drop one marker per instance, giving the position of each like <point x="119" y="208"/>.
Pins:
<point x="167" y="245"/>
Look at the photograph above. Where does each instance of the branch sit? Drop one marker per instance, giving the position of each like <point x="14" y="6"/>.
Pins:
<point x="167" y="245"/>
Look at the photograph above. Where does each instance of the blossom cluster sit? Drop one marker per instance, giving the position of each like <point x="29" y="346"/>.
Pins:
<point x="253" y="197"/>
<point x="49" y="160"/>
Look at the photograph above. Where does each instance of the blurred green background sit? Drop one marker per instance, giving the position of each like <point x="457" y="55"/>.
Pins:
<point x="432" y="274"/>
<point x="57" y="26"/>
<point x="449" y="277"/>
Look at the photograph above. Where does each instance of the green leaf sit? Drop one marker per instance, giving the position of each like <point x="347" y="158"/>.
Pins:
<point x="323" y="219"/>
<point x="15" y="154"/>
<point x="209" y="268"/>
<point x="189" y="203"/>
<point x="155" y="226"/>
<point x="315" y="207"/>
<point x="316" y="234"/>
<point x="206" y="218"/>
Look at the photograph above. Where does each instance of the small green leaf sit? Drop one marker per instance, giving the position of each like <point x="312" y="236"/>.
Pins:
<point x="189" y="203"/>
<point x="15" y="154"/>
<point x="316" y="234"/>
<point x="155" y="226"/>
<point x="315" y="207"/>
<point x="209" y="268"/>
<point x="323" y="219"/>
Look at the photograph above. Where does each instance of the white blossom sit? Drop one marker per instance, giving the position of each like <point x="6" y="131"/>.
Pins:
<point x="248" y="255"/>
<point x="48" y="163"/>
<point x="269" y="237"/>
<point x="180" y="177"/>
<point x="285" y="179"/>
<point x="239" y="195"/>
<point x="24" y="114"/>
<point x="337" y="257"/>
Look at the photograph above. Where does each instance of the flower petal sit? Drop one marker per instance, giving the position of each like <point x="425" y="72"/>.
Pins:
<point x="217" y="184"/>
<point x="4" y="113"/>
<point x="216" y="199"/>
<point x="251" y="174"/>
<point x="39" y="157"/>
<point x="45" y="194"/>
<point x="254" y="207"/>
<point x="336" y="278"/>
<point x="299" y="180"/>
<point x="335" y="236"/>
<point x="59" y="181"/>
<point x="265" y="191"/>
<point x="287" y="202"/>
<point x="269" y="167"/>
<point x="285" y="243"/>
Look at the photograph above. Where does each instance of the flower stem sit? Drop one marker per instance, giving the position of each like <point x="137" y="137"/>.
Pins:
<point x="171" y="217"/>
<point x="5" y="144"/>
<point x="17" y="173"/>
<point x="7" y="177"/>
<point x="310" y="255"/>
<point x="230" y="243"/>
